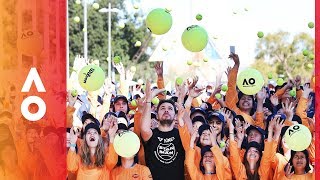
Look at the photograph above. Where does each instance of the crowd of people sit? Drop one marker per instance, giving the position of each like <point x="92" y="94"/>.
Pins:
<point x="237" y="136"/>
<point x="189" y="134"/>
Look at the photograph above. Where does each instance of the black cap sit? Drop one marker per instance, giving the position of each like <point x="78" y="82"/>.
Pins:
<point x="255" y="145"/>
<point x="89" y="116"/>
<point x="216" y="115"/>
<point x="199" y="119"/>
<point x="92" y="126"/>
<point x="120" y="97"/>
<point x="260" y="130"/>
<point x="205" y="149"/>
<point x="197" y="109"/>
<point x="202" y="128"/>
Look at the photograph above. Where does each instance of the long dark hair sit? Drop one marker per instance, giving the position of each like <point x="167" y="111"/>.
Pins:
<point x="253" y="109"/>
<point x="255" y="175"/>
<point x="306" y="153"/>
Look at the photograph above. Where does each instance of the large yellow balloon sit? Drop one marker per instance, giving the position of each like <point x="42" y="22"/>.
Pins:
<point x="91" y="77"/>
<point x="126" y="144"/>
<point x="250" y="81"/>
<point x="194" y="38"/>
<point x="298" y="137"/>
<point x="159" y="21"/>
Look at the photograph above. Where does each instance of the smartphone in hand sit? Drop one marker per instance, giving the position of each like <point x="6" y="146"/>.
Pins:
<point x="232" y="49"/>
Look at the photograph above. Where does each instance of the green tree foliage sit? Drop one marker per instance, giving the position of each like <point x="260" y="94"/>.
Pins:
<point x="281" y="54"/>
<point x="123" y="40"/>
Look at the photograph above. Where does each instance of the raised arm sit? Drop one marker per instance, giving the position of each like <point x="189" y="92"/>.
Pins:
<point x="111" y="158"/>
<point x="160" y="81"/>
<point x="231" y="94"/>
<point x="146" y="131"/>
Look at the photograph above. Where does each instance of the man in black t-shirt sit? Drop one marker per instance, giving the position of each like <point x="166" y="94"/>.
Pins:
<point x="164" y="152"/>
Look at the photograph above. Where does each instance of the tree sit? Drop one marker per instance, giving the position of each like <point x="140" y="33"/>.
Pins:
<point x="284" y="55"/>
<point x="123" y="40"/>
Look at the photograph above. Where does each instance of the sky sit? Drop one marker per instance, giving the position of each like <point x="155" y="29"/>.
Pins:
<point x="231" y="24"/>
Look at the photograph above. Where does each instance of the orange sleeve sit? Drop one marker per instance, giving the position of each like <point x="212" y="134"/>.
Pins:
<point x="160" y="84"/>
<point x="301" y="111"/>
<point x="235" y="161"/>
<point x="137" y="123"/>
<point x="232" y="94"/>
<point x="299" y="94"/>
<point x="260" y="120"/>
<point x="70" y="111"/>
<point x="111" y="158"/>
<point x="73" y="161"/>
<point x="219" y="162"/>
<point x="195" y="102"/>
<point x="185" y="137"/>
<point x="212" y="99"/>
<point x="280" y="92"/>
<point x="266" y="159"/>
<point x="103" y="133"/>
<point x="146" y="174"/>
<point x="141" y="155"/>
<point x="190" y="163"/>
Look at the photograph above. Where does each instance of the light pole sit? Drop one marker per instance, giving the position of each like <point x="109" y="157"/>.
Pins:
<point x="85" y="34"/>
<point x="109" y="10"/>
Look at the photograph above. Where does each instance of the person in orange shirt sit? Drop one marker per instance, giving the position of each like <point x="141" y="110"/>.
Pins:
<point x="213" y="165"/>
<point x="255" y="164"/>
<point x="92" y="161"/>
<point x="128" y="168"/>
<point x="298" y="167"/>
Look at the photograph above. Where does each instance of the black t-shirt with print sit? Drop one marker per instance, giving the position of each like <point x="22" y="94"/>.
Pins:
<point x="165" y="155"/>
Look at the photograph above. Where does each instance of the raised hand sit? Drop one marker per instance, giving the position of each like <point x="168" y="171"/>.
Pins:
<point x="113" y="128"/>
<point x="228" y="70"/>
<point x="261" y="95"/>
<point x="72" y="100"/>
<point x="159" y="68"/>
<point x="213" y="136"/>
<point x="288" y="171"/>
<point x="306" y="91"/>
<point x="193" y="138"/>
<point x="74" y="133"/>
<point x="288" y="109"/>
<point x="120" y="68"/>
<point x="235" y="58"/>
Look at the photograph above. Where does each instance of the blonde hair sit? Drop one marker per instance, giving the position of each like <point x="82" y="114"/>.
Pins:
<point x="99" y="155"/>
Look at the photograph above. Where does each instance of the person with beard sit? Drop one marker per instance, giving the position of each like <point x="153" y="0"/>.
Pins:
<point x="164" y="152"/>
<point x="92" y="162"/>
<point x="255" y="165"/>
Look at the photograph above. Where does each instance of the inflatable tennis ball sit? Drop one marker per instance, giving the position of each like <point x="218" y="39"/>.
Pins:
<point x="260" y="34"/>
<point x="76" y="19"/>
<point x="133" y="69"/>
<point x="117" y="59"/>
<point x="310" y="66"/>
<point x="91" y="77"/>
<point x="305" y="52"/>
<point x="121" y="25"/>
<point x="164" y="48"/>
<point x="179" y="81"/>
<point x="78" y="1"/>
<point x="159" y="21"/>
<point x="311" y="56"/>
<point x="84" y="30"/>
<point x="269" y="75"/>
<point x="194" y="38"/>
<point x="137" y="44"/>
<point x="205" y="59"/>
<point x="136" y="6"/>
<point x="224" y="88"/>
<point x="218" y="96"/>
<point x="155" y="101"/>
<point x="30" y="43"/>
<point x="131" y="112"/>
<point x="199" y="17"/>
<point x="222" y="144"/>
<point x="74" y="93"/>
<point x="140" y="81"/>
<point x="95" y="5"/>
<point x="298" y="137"/>
<point x="280" y="81"/>
<point x="311" y="25"/>
<point x="134" y="103"/>
<point x="126" y="144"/>
<point x="189" y="62"/>
<point x="293" y="93"/>
<point x="250" y="81"/>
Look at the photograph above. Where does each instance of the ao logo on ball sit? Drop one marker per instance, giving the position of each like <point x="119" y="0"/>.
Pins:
<point x="250" y="82"/>
<point x="298" y="137"/>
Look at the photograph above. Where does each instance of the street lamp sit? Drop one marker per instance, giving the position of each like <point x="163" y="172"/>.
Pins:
<point x="109" y="10"/>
